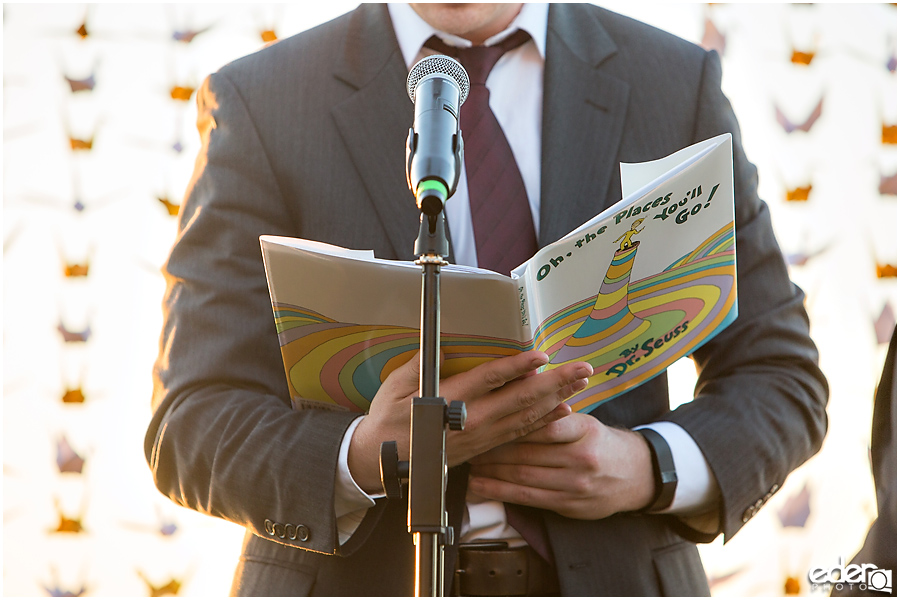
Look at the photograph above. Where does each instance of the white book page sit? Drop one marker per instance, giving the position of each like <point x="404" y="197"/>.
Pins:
<point x="636" y="176"/>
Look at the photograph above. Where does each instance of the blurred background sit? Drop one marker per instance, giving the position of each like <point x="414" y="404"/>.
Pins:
<point x="99" y="144"/>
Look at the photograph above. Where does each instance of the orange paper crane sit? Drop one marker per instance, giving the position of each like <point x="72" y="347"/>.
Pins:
<point x="799" y="194"/>
<point x="792" y="586"/>
<point x="171" y="207"/>
<point x="889" y="134"/>
<point x="885" y="270"/>
<point x="181" y="93"/>
<point x="81" y="144"/>
<point x="266" y="27"/>
<point x="67" y="524"/>
<point x="75" y="269"/>
<point x="73" y="396"/>
<point x="170" y="588"/>
<point x="799" y="57"/>
<point x="77" y="144"/>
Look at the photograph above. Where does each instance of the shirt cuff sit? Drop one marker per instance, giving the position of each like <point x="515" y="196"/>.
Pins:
<point x="696" y="493"/>
<point x="351" y="503"/>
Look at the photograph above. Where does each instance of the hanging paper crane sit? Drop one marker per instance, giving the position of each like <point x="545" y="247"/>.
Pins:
<point x="186" y="36"/>
<point x="889" y="134"/>
<point x="67" y="460"/>
<point x="805" y="126"/>
<point x="885" y="323"/>
<point x="170" y="588"/>
<point x="165" y="526"/>
<point x="67" y="524"/>
<point x="795" y="511"/>
<point x="55" y="590"/>
<point x="71" y="336"/>
<point x="171" y="207"/>
<point x="799" y="194"/>
<point x="81" y="85"/>
<point x="887" y="186"/>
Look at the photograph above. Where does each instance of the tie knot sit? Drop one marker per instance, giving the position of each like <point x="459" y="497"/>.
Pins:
<point x="479" y="60"/>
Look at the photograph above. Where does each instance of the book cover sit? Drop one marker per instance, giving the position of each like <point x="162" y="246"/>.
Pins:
<point x="644" y="283"/>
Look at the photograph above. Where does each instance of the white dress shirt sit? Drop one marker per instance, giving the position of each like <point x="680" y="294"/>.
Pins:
<point x="516" y="98"/>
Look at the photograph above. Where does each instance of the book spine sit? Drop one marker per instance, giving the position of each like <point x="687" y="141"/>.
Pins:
<point x="523" y="295"/>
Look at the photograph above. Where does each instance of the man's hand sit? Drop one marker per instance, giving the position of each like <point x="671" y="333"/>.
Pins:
<point x="505" y="399"/>
<point x="575" y="466"/>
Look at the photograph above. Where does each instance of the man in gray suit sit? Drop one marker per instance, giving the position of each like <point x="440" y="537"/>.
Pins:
<point x="306" y="139"/>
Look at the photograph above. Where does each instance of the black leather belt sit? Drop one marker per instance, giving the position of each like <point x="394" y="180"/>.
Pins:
<point x="494" y="569"/>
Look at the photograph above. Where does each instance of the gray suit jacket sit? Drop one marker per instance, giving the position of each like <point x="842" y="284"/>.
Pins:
<point x="306" y="139"/>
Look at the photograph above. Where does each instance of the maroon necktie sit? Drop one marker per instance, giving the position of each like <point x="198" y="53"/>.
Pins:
<point x="501" y="216"/>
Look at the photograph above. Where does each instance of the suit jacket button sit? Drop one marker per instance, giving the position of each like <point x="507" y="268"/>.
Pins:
<point x="748" y="514"/>
<point x="773" y="489"/>
<point x="279" y="530"/>
<point x="270" y="527"/>
<point x="302" y="533"/>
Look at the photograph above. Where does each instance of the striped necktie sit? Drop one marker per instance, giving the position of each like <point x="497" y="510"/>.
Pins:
<point x="501" y="216"/>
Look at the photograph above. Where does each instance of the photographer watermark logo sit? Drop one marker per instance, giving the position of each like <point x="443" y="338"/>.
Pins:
<point x="854" y="577"/>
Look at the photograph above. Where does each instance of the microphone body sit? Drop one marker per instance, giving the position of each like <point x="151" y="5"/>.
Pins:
<point x="437" y="85"/>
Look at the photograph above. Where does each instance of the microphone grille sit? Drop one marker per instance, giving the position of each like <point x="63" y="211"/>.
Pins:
<point x="438" y="63"/>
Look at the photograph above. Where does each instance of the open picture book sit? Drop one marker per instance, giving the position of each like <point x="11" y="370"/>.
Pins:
<point x="645" y="282"/>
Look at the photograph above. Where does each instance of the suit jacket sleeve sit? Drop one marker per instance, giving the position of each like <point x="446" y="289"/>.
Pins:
<point x="224" y="439"/>
<point x="760" y="394"/>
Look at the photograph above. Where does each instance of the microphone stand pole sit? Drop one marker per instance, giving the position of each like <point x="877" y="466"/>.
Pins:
<point x="430" y="417"/>
<point x="427" y="454"/>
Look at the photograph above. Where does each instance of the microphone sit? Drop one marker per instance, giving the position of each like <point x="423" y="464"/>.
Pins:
<point x="437" y="85"/>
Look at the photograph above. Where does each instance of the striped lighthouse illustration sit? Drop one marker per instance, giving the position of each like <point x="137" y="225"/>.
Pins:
<point x="611" y="323"/>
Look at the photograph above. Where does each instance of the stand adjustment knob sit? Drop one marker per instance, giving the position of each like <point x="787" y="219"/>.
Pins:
<point x="449" y="536"/>
<point x="456" y="415"/>
<point x="393" y="471"/>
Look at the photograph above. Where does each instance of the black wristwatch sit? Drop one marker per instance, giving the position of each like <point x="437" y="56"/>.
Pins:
<point x="665" y="477"/>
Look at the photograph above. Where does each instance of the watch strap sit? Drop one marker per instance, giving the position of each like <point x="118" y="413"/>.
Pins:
<point x="665" y="477"/>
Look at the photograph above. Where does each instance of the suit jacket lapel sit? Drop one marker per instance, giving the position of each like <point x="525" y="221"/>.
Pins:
<point x="583" y="118"/>
<point x="374" y="121"/>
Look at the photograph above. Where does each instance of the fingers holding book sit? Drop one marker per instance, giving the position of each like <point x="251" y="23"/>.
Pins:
<point x="505" y="399"/>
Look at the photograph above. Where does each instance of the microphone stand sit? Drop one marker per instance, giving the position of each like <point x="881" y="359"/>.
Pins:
<point x="427" y="466"/>
<point x="432" y="177"/>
